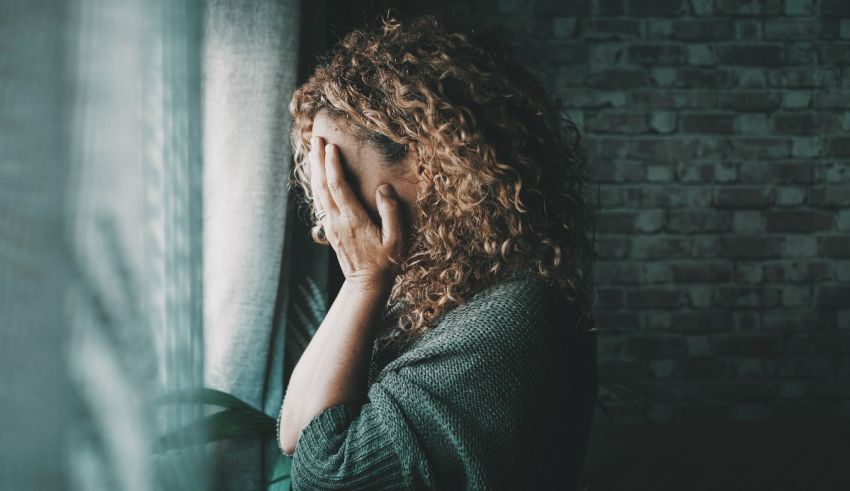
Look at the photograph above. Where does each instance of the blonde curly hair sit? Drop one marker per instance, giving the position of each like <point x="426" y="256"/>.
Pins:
<point x="503" y="169"/>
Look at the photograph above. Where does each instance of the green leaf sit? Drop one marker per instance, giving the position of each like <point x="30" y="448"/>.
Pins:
<point x="230" y="423"/>
<point x="204" y="395"/>
<point x="306" y="313"/>
<point x="282" y="470"/>
<point x="315" y="300"/>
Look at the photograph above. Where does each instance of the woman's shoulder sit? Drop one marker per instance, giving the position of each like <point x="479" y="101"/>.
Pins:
<point x="508" y="302"/>
<point x="522" y="307"/>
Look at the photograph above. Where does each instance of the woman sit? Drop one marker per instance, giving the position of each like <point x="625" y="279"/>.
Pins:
<point x="459" y="352"/>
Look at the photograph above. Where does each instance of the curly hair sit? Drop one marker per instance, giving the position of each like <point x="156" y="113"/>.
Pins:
<point x="503" y="169"/>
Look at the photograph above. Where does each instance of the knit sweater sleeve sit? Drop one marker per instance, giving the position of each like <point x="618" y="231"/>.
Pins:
<point x="338" y="450"/>
<point x="454" y="409"/>
<point x="374" y="449"/>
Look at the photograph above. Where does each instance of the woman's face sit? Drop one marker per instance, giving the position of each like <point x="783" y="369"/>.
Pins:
<point x="365" y="168"/>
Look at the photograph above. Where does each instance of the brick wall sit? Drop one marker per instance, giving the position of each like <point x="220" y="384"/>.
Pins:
<point x="719" y="134"/>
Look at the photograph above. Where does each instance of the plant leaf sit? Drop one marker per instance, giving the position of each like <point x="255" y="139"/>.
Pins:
<point x="204" y="395"/>
<point x="316" y="301"/>
<point x="230" y="423"/>
<point x="282" y="469"/>
<point x="307" y="311"/>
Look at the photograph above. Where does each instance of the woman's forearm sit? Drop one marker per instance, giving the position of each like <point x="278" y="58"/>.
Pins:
<point x="334" y="367"/>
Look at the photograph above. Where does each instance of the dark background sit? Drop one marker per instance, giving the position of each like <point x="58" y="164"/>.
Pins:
<point x="718" y="133"/>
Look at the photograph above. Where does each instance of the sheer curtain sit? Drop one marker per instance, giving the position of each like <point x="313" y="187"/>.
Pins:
<point x="144" y="156"/>
<point x="134" y="231"/>
<point x="34" y="385"/>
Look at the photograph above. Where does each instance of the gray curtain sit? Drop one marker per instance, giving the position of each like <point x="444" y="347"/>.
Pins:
<point x="250" y="65"/>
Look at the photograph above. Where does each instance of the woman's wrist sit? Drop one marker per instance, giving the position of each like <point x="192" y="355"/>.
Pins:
<point x="372" y="284"/>
<point x="372" y="293"/>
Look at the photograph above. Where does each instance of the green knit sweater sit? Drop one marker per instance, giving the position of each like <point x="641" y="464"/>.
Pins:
<point x="498" y="395"/>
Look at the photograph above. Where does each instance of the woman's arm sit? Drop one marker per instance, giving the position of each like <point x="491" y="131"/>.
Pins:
<point x="334" y="367"/>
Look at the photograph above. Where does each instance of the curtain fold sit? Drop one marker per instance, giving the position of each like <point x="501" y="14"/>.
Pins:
<point x="134" y="236"/>
<point x="250" y="67"/>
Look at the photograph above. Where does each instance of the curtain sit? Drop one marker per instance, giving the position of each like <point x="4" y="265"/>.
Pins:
<point x="250" y="68"/>
<point x="34" y="388"/>
<point x="135" y="237"/>
<point x="147" y="235"/>
<point x="102" y="242"/>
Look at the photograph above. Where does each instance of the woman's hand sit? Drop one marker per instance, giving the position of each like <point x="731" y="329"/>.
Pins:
<point x="367" y="252"/>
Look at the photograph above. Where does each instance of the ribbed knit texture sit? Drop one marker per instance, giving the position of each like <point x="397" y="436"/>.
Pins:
<point x="498" y="395"/>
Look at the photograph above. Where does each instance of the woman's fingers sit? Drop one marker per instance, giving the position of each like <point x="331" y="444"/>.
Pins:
<point x="321" y="195"/>
<point x="341" y="193"/>
<point x="362" y="246"/>
<point x="390" y="213"/>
